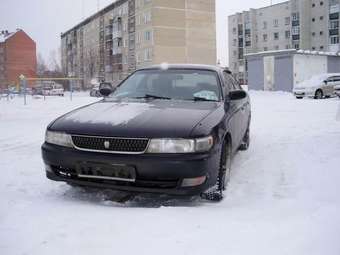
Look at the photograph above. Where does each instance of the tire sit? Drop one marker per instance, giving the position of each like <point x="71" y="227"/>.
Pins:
<point x="299" y="97"/>
<point x="215" y="193"/>
<point x="318" y="94"/>
<point x="245" y="141"/>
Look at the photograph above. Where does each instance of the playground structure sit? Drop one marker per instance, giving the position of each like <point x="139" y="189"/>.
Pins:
<point x="24" y="80"/>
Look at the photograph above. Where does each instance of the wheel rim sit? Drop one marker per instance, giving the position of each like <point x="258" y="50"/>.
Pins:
<point x="318" y="94"/>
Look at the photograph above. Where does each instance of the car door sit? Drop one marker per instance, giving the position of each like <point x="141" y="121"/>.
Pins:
<point x="336" y="82"/>
<point x="328" y="87"/>
<point x="234" y="111"/>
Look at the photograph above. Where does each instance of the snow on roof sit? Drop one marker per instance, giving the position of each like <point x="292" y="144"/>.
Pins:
<point x="294" y="51"/>
<point x="5" y="36"/>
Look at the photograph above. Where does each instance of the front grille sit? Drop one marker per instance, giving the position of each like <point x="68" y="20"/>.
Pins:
<point x="118" y="145"/>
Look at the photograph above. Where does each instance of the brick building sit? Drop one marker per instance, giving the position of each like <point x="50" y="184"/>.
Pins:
<point x="17" y="56"/>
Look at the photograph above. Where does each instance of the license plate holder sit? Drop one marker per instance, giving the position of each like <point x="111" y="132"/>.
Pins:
<point x="114" y="172"/>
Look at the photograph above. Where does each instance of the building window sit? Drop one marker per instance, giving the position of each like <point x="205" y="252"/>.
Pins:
<point x="296" y="16"/>
<point x="277" y="47"/>
<point x="265" y="25"/>
<point x="287" y="21"/>
<point x="313" y="34"/>
<point x="147" y="17"/>
<point x="321" y="3"/>
<point x="147" y="55"/>
<point x="334" y="24"/>
<point x="313" y="5"/>
<point x="334" y="39"/>
<point x="296" y="46"/>
<point x="296" y="30"/>
<point x="276" y="22"/>
<point x="235" y="53"/>
<point x="265" y="49"/>
<point x="313" y="48"/>
<point x="234" y="30"/>
<point x="321" y="47"/>
<point x="234" y="42"/>
<point x="265" y="37"/>
<point x="276" y="36"/>
<point x="147" y="35"/>
<point x="321" y="32"/>
<point x="287" y="34"/>
<point x="287" y="46"/>
<point x="321" y="17"/>
<point x="313" y="19"/>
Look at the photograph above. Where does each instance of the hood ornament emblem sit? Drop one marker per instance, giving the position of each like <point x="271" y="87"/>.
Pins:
<point x="107" y="144"/>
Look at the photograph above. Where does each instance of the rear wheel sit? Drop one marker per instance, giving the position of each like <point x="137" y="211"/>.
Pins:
<point x="215" y="193"/>
<point x="299" y="97"/>
<point x="318" y="94"/>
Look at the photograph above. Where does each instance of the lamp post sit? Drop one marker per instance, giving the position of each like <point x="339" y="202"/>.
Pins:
<point x="23" y="85"/>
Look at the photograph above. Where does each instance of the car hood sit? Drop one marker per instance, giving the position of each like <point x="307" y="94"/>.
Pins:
<point x="156" y="119"/>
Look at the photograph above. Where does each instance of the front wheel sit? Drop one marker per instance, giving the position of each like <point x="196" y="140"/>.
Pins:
<point x="299" y="97"/>
<point x="318" y="94"/>
<point x="215" y="193"/>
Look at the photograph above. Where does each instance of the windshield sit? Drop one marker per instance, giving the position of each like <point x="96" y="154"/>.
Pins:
<point x="171" y="84"/>
<point x="313" y="81"/>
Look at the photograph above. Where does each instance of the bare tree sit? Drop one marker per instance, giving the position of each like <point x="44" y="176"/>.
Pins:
<point x="54" y="61"/>
<point x="41" y="65"/>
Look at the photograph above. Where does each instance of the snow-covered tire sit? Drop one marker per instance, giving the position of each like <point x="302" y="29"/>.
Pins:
<point x="318" y="94"/>
<point x="215" y="193"/>
<point x="245" y="141"/>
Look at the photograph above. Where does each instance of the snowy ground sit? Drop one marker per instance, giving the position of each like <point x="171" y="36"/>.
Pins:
<point x="284" y="195"/>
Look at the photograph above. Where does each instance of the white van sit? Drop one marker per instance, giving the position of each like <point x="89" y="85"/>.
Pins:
<point x="318" y="87"/>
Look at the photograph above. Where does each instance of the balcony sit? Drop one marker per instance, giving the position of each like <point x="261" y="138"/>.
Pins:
<point x="117" y="34"/>
<point x="333" y="32"/>
<point x="295" y="23"/>
<point x="118" y="50"/>
<point x="334" y="16"/>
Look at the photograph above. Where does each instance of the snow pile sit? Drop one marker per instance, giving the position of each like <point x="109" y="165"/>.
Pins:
<point x="283" y="197"/>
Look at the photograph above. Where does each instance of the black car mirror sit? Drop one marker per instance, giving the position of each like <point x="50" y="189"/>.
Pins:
<point x="105" y="89"/>
<point x="237" y="95"/>
<point x="325" y="82"/>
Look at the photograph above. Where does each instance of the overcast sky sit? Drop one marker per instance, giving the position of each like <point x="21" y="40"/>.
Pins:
<point x="44" y="20"/>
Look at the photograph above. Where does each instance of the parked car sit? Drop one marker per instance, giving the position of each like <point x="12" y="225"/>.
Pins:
<point x="337" y="90"/>
<point x="318" y="87"/>
<point x="171" y="131"/>
<point x="94" y="92"/>
<point x="53" y="90"/>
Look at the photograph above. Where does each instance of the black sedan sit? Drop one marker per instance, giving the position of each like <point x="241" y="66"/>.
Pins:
<point x="165" y="129"/>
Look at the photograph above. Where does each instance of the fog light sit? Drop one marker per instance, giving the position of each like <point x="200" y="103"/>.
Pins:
<point x="48" y="168"/>
<point x="192" y="182"/>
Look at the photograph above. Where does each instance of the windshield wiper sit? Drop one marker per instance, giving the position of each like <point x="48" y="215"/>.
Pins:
<point x="196" y="99"/>
<point x="147" y="96"/>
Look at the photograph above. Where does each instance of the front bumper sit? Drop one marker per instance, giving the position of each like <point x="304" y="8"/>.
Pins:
<point x="154" y="173"/>
<point x="304" y="93"/>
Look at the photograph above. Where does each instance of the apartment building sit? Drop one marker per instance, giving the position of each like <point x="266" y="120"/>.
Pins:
<point x="295" y="24"/>
<point x="17" y="56"/>
<point x="131" y="34"/>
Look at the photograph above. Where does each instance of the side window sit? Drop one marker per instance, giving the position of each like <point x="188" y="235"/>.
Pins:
<point x="236" y="85"/>
<point x="330" y="79"/>
<point x="337" y="78"/>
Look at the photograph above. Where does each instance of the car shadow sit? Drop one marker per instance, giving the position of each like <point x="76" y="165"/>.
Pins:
<point x="128" y="199"/>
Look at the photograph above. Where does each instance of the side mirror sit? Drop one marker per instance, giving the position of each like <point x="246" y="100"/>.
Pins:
<point x="237" y="95"/>
<point x="105" y="89"/>
<point x="325" y="82"/>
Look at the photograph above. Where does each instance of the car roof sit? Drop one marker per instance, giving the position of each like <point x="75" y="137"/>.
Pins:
<point x="166" y="66"/>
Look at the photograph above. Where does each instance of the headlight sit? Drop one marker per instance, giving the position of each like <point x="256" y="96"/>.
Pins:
<point x="180" y="145"/>
<point x="57" y="138"/>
